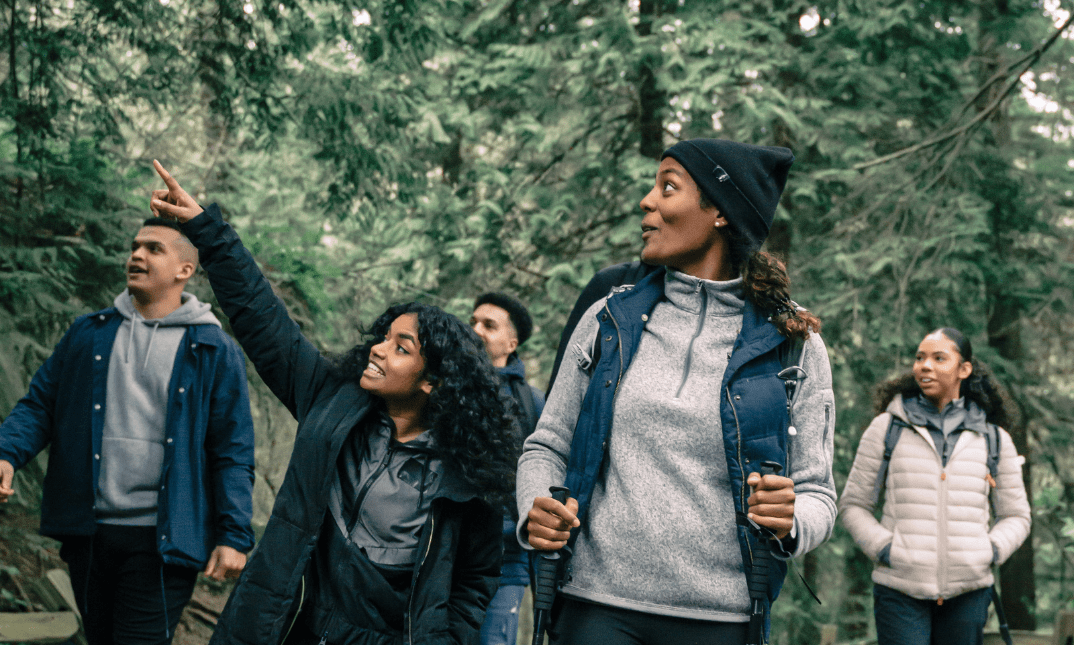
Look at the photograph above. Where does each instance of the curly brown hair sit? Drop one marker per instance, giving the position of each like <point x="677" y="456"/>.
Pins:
<point x="474" y="421"/>
<point x="767" y="284"/>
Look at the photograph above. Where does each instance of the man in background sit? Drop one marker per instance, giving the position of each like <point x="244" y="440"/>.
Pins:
<point x="503" y="323"/>
<point x="150" y="473"/>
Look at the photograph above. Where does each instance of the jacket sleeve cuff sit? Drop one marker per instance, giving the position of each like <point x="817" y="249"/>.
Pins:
<point x="785" y="549"/>
<point x="522" y="534"/>
<point x="242" y="542"/>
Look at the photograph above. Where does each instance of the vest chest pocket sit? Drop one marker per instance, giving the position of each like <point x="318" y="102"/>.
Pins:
<point x="760" y="405"/>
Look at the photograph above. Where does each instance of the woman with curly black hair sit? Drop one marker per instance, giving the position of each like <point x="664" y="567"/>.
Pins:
<point x="937" y="452"/>
<point x="668" y="420"/>
<point x="387" y="527"/>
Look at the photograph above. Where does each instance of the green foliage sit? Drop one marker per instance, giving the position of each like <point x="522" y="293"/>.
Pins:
<point x="434" y="150"/>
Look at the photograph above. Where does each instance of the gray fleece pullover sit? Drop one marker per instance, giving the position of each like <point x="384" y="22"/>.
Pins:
<point x="136" y="404"/>
<point x="660" y="535"/>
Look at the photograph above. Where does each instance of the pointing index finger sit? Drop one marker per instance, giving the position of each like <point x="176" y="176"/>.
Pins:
<point x="169" y="181"/>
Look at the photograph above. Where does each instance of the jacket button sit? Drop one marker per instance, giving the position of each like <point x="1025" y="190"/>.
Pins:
<point x="607" y="339"/>
<point x="645" y="317"/>
<point x="97" y="457"/>
<point x="193" y="345"/>
<point x="738" y="397"/>
<point x="607" y="383"/>
<point x="169" y="439"/>
<point x="101" y="316"/>
<point x="97" y="357"/>
<point x="604" y="446"/>
<point x="181" y="390"/>
<point x="602" y="316"/>
<point x="96" y="406"/>
<point x="163" y="537"/>
<point x="943" y="476"/>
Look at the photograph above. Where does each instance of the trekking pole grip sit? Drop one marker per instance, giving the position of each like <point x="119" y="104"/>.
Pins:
<point x="547" y="574"/>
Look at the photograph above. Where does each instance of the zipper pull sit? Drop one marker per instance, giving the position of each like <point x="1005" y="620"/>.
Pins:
<point x="324" y="638"/>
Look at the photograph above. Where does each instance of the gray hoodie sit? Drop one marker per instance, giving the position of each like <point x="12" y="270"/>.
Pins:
<point x="136" y="403"/>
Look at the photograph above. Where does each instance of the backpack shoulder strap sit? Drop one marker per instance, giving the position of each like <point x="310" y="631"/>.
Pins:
<point x="895" y="428"/>
<point x="524" y="396"/>
<point x="790" y="352"/>
<point x="790" y="370"/>
<point x="992" y="439"/>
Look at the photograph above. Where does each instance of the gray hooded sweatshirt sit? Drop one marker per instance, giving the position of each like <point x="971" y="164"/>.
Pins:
<point x="139" y="373"/>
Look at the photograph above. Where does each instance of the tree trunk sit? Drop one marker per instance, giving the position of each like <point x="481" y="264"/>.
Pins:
<point x="1017" y="576"/>
<point x="652" y="101"/>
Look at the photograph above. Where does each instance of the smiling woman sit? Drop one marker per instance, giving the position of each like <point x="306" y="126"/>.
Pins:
<point x="937" y="447"/>
<point x="388" y="523"/>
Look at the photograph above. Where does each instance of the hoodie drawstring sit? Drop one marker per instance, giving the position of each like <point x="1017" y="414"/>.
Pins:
<point x="130" y="338"/>
<point x="164" y="603"/>
<point x="152" y="337"/>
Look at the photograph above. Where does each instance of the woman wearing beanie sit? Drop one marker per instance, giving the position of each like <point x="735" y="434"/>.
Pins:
<point x="934" y="545"/>
<point x="666" y="406"/>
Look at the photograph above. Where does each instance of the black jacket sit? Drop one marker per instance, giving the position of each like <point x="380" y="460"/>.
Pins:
<point x="458" y="571"/>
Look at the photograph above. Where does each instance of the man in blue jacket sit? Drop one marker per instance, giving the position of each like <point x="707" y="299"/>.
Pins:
<point x="503" y="323"/>
<point x="150" y="474"/>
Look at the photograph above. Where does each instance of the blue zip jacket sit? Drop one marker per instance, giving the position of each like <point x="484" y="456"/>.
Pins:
<point x="515" y="569"/>
<point x="207" y="477"/>
<point x="753" y="404"/>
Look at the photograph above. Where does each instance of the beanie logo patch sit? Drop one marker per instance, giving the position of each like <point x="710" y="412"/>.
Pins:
<point x="723" y="176"/>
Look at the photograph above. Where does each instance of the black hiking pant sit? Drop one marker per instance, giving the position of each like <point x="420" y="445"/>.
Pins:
<point x="586" y="623"/>
<point x="125" y="592"/>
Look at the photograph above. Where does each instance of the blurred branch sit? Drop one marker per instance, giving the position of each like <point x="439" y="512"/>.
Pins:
<point x="1026" y="62"/>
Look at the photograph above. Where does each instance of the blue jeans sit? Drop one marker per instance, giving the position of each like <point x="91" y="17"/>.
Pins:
<point x="501" y="619"/>
<point x="902" y="620"/>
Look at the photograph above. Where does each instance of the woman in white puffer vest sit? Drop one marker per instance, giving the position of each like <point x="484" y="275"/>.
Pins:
<point x="936" y="541"/>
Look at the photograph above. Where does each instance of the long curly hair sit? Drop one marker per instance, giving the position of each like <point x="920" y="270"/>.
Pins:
<point x="980" y="387"/>
<point x="767" y="284"/>
<point x="473" y="422"/>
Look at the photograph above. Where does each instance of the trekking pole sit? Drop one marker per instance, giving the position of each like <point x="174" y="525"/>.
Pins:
<point x="757" y="582"/>
<point x="548" y="577"/>
<point x="1001" y="617"/>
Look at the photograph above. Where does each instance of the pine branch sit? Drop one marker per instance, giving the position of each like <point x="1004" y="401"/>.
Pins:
<point x="1026" y="63"/>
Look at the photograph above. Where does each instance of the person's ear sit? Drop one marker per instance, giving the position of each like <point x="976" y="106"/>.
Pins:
<point x="512" y="344"/>
<point x="965" y="370"/>
<point x="426" y="387"/>
<point x="186" y="269"/>
<point x="720" y="221"/>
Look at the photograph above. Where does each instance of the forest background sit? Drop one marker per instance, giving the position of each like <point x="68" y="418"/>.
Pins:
<point x="381" y="151"/>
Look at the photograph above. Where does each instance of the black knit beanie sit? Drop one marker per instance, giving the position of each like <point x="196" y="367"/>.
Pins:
<point x="742" y="180"/>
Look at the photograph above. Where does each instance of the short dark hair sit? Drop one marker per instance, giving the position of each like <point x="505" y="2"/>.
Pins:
<point x="187" y="251"/>
<point x="160" y="221"/>
<point x="516" y="311"/>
